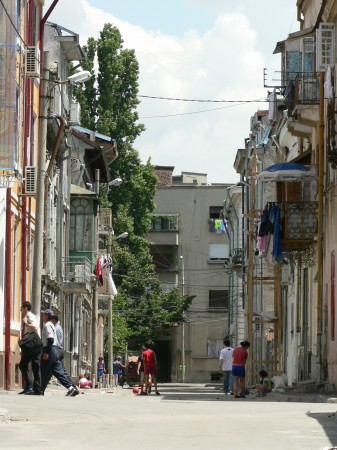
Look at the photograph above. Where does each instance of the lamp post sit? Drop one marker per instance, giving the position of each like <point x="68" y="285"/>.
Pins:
<point x="110" y="324"/>
<point x="183" y="323"/>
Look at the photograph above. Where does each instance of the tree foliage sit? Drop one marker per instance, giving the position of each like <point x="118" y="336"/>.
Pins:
<point x="109" y="105"/>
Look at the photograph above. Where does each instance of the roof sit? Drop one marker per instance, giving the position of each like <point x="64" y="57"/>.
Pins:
<point x="78" y="190"/>
<point x="94" y="153"/>
<point x="87" y="131"/>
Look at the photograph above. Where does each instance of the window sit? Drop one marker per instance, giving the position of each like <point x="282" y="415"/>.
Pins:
<point x="218" y="299"/>
<point x="81" y="225"/>
<point x="214" y="347"/>
<point x="167" y="222"/>
<point x="325" y="37"/>
<point x="215" y="212"/>
<point x="218" y="253"/>
<point x="215" y="220"/>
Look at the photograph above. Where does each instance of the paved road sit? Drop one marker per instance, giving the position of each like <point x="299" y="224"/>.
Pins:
<point x="183" y="417"/>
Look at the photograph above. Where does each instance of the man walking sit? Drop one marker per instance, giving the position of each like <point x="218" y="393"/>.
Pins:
<point x="50" y="364"/>
<point x="33" y="355"/>
<point x="226" y="358"/>
<point x="59" y="334"/>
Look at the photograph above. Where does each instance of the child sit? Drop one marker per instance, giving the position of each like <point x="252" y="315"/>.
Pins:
<point x="265" y="385"/>
<point x="100" y="368"/>
<point x="84" y="381"/>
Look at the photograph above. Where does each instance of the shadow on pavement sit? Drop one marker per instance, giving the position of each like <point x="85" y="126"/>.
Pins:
<point x="328" y="421"/>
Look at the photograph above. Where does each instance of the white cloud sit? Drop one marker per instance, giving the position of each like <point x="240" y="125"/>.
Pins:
<point x="222" y="63"/>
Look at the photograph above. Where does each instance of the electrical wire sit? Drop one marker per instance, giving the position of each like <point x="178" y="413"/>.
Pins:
<point x="201" y="100"/>
<point x="193" y="112"/>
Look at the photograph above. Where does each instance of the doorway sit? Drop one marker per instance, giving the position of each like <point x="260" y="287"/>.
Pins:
<point x="163" y="353"/>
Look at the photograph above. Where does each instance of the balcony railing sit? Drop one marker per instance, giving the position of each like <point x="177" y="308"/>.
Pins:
<point x="303" y="90"/>
<point x="299" y="224"/>
<point x="238" y="257"/>
<point x="105" y="221"/>
<point x="77" y="269"/>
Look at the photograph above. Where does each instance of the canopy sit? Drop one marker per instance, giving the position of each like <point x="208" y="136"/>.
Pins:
<point x="286" y="171"/>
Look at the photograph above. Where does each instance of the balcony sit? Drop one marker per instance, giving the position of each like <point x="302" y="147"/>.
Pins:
<point x="105" y="221"/>
<point x="303" y="90"/>
<point x="299" y="225"/>
<point x="77" y="272"/>
<point x="238" y="257"/>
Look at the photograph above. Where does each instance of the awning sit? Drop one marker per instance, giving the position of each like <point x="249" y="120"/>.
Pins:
<point x="286" y="171"/>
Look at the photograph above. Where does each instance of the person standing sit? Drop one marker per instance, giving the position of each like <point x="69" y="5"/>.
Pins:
<point x="240" y="356"/>
<point x="140" y="369"/>
<point x="117" y="368"/>
<point x="59" y="334"/>
<point x="150" y="368"/>
<point x="50" y="364"/>
<point x="226" y="358"/>
<point x="100" y="369"/>
<point x="33" y="355"/>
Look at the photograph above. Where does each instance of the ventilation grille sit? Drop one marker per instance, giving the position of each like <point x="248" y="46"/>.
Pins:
<point x="33" y="62"/>
<point x="30" y="180"/>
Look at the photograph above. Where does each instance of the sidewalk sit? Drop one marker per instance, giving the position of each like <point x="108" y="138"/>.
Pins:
<point x="290" y="395"/>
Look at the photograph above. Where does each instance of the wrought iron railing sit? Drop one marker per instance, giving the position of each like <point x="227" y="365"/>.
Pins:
<point x="300" y="221"/>
<point x="302" y="89"/>
<point x="77" y="269"/>
<point x="238" y="257"/>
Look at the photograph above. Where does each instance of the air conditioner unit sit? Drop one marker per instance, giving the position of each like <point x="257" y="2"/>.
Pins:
<point x="33" y="62"/>
<point x="75" y="113"/>
<point x="30" y="180"/>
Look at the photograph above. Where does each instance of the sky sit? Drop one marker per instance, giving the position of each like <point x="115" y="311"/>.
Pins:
<point x="196" y="50"/>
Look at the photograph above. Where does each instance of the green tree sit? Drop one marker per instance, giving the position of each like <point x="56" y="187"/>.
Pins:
<point x="109" y="105"/>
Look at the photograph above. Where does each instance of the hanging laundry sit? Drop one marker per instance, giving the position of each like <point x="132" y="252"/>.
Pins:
<point x="263" y="229"/>
<point x="219" y="226"/>
<point x="277" y="244"/>
<point x="111" y="286"/>
<point x="98" y="271"/>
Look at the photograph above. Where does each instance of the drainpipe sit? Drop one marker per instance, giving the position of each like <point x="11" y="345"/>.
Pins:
<point x="320" y="224"/>
<point x="8" y="288"/>
<point x="27" y="128"/>
<point x="63" y="124"/>
<point x="39" y="213"/>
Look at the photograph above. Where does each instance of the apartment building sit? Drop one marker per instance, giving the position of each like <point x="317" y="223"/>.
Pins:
<point x="190" y="249"/>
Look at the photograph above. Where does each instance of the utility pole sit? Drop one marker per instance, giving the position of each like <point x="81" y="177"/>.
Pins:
<point x="250" y="269"/>
<point x="183" y="324"/>
<point x="40" y="184"/>
<point x="94" y="322"/>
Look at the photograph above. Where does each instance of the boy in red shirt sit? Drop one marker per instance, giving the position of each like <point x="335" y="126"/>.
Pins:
<point x="150" y="367"/>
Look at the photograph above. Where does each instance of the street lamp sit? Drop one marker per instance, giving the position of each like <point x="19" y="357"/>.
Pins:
<point x="183" y="324"/>
<point x="115" y="182"/>
<point x="80" y="77"/>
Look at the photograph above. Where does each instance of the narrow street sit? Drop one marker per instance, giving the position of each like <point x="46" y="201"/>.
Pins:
<point x="183" y="417"/>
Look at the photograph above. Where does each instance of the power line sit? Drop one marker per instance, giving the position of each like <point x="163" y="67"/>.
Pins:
<point x="199" y="112"/>
<point x="201" y="100"/>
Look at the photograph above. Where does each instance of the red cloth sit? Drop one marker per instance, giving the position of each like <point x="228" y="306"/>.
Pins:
<point x="98" y="272"/>
<point x="240" y="356"/>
